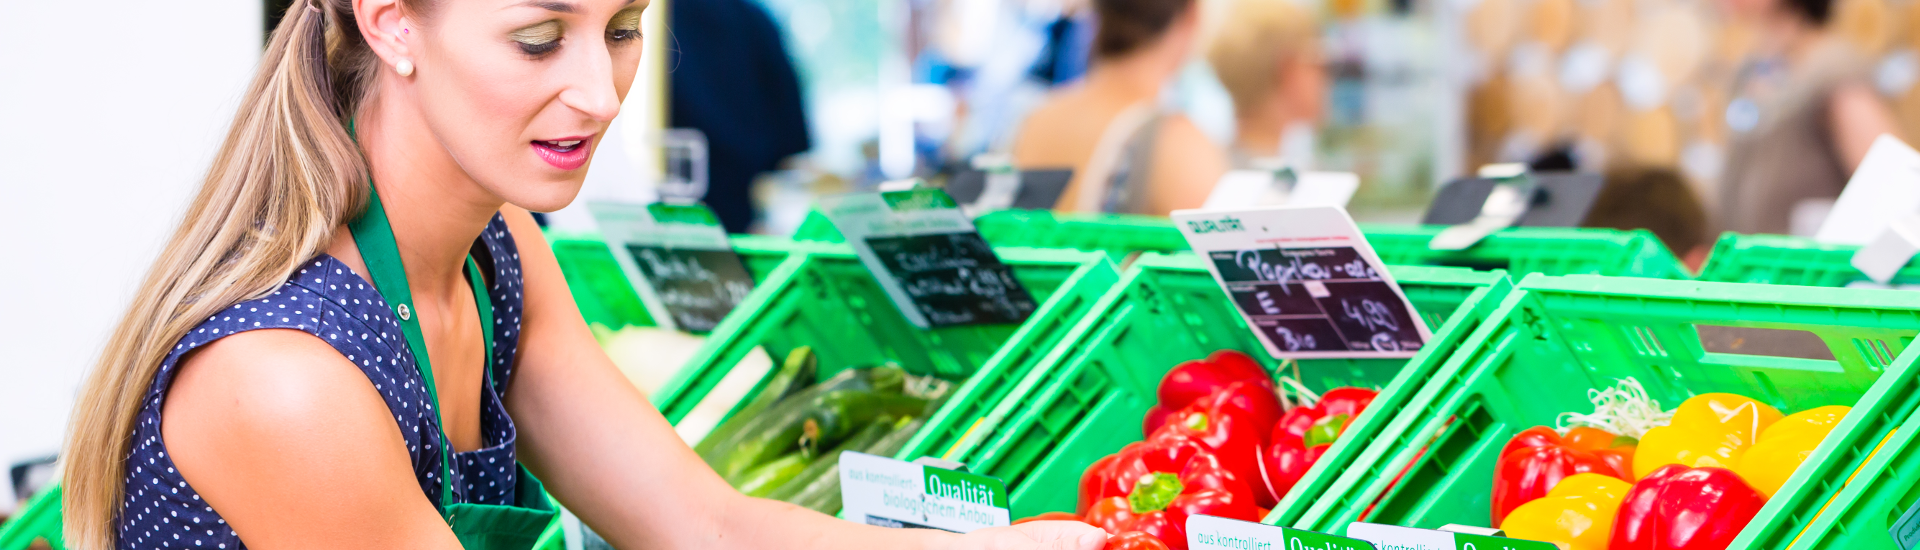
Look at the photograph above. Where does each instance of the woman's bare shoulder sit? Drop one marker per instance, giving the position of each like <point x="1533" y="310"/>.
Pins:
<point x="290" y="441"/>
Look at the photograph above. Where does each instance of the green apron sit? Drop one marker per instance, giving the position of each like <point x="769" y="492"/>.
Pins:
<point x="478" y="526"/>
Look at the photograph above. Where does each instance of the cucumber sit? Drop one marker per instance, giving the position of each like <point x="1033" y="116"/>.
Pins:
<point x="827" y="463"/>
<point x="798" y="368"/>
<point x="778" y="430"/>
<point x="822" y="494"/>
<point x="770" y="476"/>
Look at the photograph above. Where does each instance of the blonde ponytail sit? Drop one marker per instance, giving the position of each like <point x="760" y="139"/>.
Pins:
<point x="286" y="177"/>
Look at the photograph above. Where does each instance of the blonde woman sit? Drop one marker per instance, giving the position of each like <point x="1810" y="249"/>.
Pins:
<point x="357" y="336"/>
<point x="1267" y="55"/>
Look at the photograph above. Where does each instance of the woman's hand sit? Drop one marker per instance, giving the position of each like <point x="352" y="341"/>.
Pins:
<point x="1035" y="535"/>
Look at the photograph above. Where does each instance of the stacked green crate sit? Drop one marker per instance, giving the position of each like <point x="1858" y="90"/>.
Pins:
<point x="37" y="520"/>
<point x="1088" y="397"/>
<point x="1783" y="260"/>
<point x="1520" y="250"/>
<point x="1117" y="235"/>
<point x="1527" y="250"/>
<point x="829" y="301"/>
<point x="1555" y="338"/>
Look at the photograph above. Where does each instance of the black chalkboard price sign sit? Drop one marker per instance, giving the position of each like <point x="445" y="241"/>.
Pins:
<point x="1306" y="281"/>
<point x="954" y="278"/>
<point x="929" y="258"/>
<point x="1317" y="299"/>
<point x="679" y="260"/>
<point x="697" y="287"/>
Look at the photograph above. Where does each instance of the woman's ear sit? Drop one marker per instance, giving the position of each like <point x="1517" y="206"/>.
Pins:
<point x="388" y="30"/>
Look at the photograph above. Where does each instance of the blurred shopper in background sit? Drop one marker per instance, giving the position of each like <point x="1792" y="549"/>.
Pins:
<point x="1658" y="200"/>
<point x="1128" y="155"/>
<point x="1802" y="118"/>
<point x="731" y="79"/>
<point x="1268" y="57"/>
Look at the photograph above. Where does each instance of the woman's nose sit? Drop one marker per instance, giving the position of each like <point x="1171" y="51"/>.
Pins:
<point x="592" y="88"/>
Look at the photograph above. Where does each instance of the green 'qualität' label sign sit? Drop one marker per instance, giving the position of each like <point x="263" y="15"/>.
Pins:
<point x="965" y="487"/>
<point x="882" y="491"/>
<point x="1213" y="533"/>
<point x="1389" y="537"/>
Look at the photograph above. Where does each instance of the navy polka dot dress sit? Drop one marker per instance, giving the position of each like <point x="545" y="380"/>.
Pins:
<point x="327" y="299"/>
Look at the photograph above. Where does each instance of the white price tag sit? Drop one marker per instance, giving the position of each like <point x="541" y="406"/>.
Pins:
<point x="1884" y="187"/>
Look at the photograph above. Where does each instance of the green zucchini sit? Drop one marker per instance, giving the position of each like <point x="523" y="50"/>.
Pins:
<point x="770" y="476"/>
<point x="792" y="377"/>
<point x="837" y="414"/>
<point x="826" y="464"/>
<point x="822" y="494"/>
<point x="778" y="430"/>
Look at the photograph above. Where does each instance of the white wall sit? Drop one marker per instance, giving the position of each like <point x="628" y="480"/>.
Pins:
<point x="108" y="117"/>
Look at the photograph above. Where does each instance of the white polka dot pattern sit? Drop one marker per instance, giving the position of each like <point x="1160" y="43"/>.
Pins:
<point x="330" y="301"/>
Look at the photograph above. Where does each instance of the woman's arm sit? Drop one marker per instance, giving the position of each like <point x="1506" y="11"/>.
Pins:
<point x="613" y="460"/>
<point x="295" y="447"/>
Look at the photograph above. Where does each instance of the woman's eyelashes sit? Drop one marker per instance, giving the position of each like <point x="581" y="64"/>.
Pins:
<point x="625" y="27"/>
<point x="544" y="38"/>
<point x="539" y="39"/>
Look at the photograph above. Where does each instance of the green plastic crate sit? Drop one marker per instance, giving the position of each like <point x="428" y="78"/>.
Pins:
<point x="602" y="291"/>
<point x="1783" y="260"/>
<point x="1116" y="235"/>
<point x="1527" y="250"/>
<point x="37" y="519"/>
<point x="828" y="300"/>
<point x="1089" y="396"/>
<point x="1863" y="513"/>
<point x="1555" y="338"/>
<point x="598" y="287"/>
<point x="1519" y="251"/>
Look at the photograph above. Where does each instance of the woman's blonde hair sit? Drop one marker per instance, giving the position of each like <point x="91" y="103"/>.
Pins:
<point x="1253" y="40"/>
<point x="286" y="177"/>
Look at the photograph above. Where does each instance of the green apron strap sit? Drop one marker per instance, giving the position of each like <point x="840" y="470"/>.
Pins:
<point x="373" y="234"/>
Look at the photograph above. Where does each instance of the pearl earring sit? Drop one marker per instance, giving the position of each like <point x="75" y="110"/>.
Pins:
<point x="404" y="67"/>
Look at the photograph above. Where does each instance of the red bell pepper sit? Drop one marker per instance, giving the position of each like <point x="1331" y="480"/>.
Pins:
<point x="1254" y="404"/>
<point x="1302" y="435"/>
<point x="1135" y="540"/>
<point x="1156" y="417"/>
<point x="1225" y="430"/>
<point x="1680" y="508"/>
<point x="1337" y="408"/>
<point x="1153" y="486"/>
<point x="1537" y="458"/>
<point x="1195" y="380"/>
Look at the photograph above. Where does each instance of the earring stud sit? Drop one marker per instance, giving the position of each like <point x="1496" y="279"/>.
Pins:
<point x="404" y="67"/>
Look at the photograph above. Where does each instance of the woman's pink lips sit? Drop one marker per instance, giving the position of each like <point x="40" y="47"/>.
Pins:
<point x="568" y="160"/>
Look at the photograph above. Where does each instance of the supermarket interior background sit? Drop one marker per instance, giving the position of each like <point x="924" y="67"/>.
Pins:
<point x="760" y="108"/>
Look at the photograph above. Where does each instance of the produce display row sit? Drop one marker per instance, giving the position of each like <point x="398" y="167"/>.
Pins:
<point x="1588" y="411"/>
<point x="1520" y="250"/>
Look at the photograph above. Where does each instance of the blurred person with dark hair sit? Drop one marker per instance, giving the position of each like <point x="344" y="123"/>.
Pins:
<point x="1268" y="57"/>
<point x="1657" y="200"/>
<point x="1127" y="154"/>
<point x="1802" y="117"/>
<point x="731" y="79"/>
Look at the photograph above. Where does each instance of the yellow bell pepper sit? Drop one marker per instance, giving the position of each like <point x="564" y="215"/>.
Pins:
<point x="1708" y="430"/>
<point x="1577" y="513"/>
<point x="1785" y="445"/>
